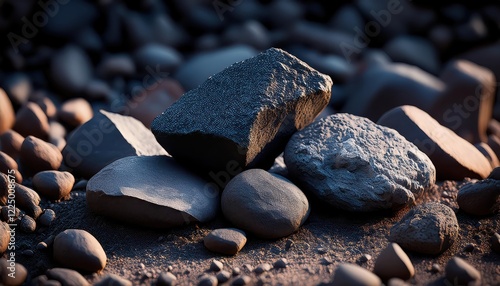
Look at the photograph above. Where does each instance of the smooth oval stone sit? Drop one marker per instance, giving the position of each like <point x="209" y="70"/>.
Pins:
<point x="31" y="120"/>
<point x="393" y="262"/>
<point x="151" y="191"/>
<point x="77" y="249"/>
<point x="265" y="204"/>
<point x="20" y="273"/>
<point x="70" y="70"/>
<point x="10" y="143"/>
<point x="75" y="112"/>
<point x="415" y="51"/>
<point x="9" y="166"/>
<point x="28" y="200"/>
<point x="429" y="228"/>
<point x="479" y="198"/>
<point x="460" y="272"/>
<point x="353" y="275"/>
<point x="38" y="155"/>
<point x="116" y="65"/>
<point x="67" y="277"/>
<point x="354" y="164"/>
<point x="7" y="116"/>
<point x="154" y="57"/>
<point x="4" y="236"/>
<point x="114" y="280"/>
<point x="54" y="185"/>
<point x="225" y="240"/>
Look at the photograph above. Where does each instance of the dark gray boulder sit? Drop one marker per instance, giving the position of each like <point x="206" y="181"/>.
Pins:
<point x="357" y="165"/>
<point x="243" y="116"/>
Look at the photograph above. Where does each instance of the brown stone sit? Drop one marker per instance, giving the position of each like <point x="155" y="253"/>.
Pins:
<point x="75" y="112"/>
<point x="393" y="262"/>
<point x="479" y="198"/>
<point x="9" y="166"/>
<point x="54" y="185"/>
<point x="7" y="117"/>
<point x="38" y="155"/>
<point x="31" y="120"/>
<point x="10" y="143"/>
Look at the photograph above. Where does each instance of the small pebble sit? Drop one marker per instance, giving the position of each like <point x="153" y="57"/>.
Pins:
<point x="326" y="261"/>
<point x="216" y="266"/>
<point x="436" y="268"/>
<point x="225" y="240"/>
<point x="47" y="217"/>
<point x="393" y="262"/>
<point x="242" y="280"/>
<point x="459" y="272"/>
<point x="236" y="271"/>
<point x="469" y="247"/>
<point x="223" y="276"/>
<point x="28" y="253"/>
<point x="264" y="267"/>
<point x="365" y="258"/>
<point x="114" y="280"/>
<point x="289" y="244"/>
<point x="321" y="250"/>
<point x="28" y="224"/>
<point x="495" y="242"/>
<point x="280" y="263"/>
<point x="166" y="279"/>
<point x="208" y="280"/>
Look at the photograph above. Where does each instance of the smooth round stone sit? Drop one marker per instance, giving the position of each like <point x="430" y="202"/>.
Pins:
<point x="353" y="275"/>
<point x="114" y="280"/>
<point x="70" y="70"/>
<point x="47" y="217"/>
<point x="28" y="200"/>
<point x="20" y="273"/>
<point x="479" y="198"/>
<point x="225" y="240"/>
<point x="166" y="279"/>
<point x="280" y="263"/>
<point x="429" y="228"/>
<point x="78" y="249"/>
<point x="7" y="165"/>
<point x="242" y="280"/>
<point x="4" y="236"/>
<point x="38" y="155"/>
<point x="7" y="116"/>
<point x="264" y="267"/>
<point x="415" y="51"/>
<point x="216" y="265"/>
<point x="54" y="185"/>
<point x="66" y="277"/>
<point x="116" y="65"/>
<point x="393" y="262"/>
<point x="27" y="224"/>
<point x="208" y="280"/>
<point x="495" y="242"/>
<point x="460" y="272"/>
<point x="154" y="57"/>
<point x="10" y="143"/>
<point x="47" y="105"/>
<point x="251" y="33"/>
<point x="265" y="204"/>
<point x="31" y="120"/>
<point x="75" y="112"/>
<point x="223" y="276"/>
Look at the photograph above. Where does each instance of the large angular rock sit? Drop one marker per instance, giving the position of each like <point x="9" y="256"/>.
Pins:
<point x="151" y="191"/>
<point x="355" y="164"/>
<point x="454" y="157"/>
<point x="245" y="114"/>
<point x="104" y="139"/>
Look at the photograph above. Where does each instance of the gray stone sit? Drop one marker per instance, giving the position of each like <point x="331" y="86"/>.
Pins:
<point x="225" y="240"/>
<point x="430" y="228"/>
<point x="27" y="224"/>
<point x="354" y="275"/>
<point x="104" y="139"/>
<point x="243" y="116"/>
<point x="242" y="280"/>
<point x="479" y="198"/>
<point x="47" y="217"/>
<point x="154" y="57"/>
<point x="208" y="280"/>
<point x="223" y="276"/>
<point x="70" y="70"/>
<point x="265" y="204"/>
<point x="200" y="67"/>
<point x="115" y="280"/>
<point x="151" y="191"/>
<point x="264" y="267"/>
<point x="459" y="272"/>
<point x="67" y="277"/>
<point x="357" y="165"/>
<point x="415" y="51"/>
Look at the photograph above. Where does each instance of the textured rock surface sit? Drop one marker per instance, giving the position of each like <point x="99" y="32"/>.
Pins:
<point x="354" y="164"/>
<point x="265" y="204"/>
<point x="479" y="198"/>
<point x="454" y="157"/>
<point x="244" y="114"/>
<point x="152" y="191"/>
<point x="77" y="249"/>
<point x="106" y="138"/>
<point x="429" y="228"/>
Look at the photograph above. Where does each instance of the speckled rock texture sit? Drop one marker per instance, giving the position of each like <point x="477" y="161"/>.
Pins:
<point x="245" y="114"/>
<point x="357" y="165"/>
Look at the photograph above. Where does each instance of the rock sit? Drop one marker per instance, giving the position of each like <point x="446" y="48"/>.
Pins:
<point x="261" y="268"/>
<point x="104" y="139"/>
<point x="9" y="166"/>
<point x="208" y="280"/>
<point x="381" y="87"/>
<point x="46" y="104"/>
<point x="429" y="228"/>
<point x="166" y="279"/>
<point x="225" y="240"/>
<point x="10" y="143"/>
<point x="12" y="216"/>
<point x="27" y="224"/>
<point x="151" y="191"/>
<point x="393" y="262"/>
<point x="200" y="67"/>
<point x="265" y="204"/>
<point x="75" y="112"/>
<point x="459" y="272"/>
<point x="31" y="120"/>
<point x="251" y="33"/>
<point x="20" y="273"/>
<point x="280" y="263"/>
<point x="67" y="277"/>
<point x="479" y="198"/>
<point x="38" y="155"/>
<point x="494" y="143"/>
<point x="154" y="57"/>
<point x="223" y="276"/>
<point x="242" y="280"/>
<point x="209" y="128"/>
<point x="18" y="87"/>
<point x="466" y="104"/>
<point x="216" y="266"/>
<point x="453" y="157"/>
<point x="486" y="150"/>
<point x="47" y="217"/>
<point x="115" y="280"/>
<point x="28" y="200"/>
<point x="414" y="51"/>
<point x="70" y="70"/>
<point x="54" y="185"/>
<point x="4" y="236"/>
<point x="116" y="65"/>
<point x="436" y="268"/>
<point x="351" y="274"/>
<point x="79" y="250"/>
<point x="357" y="165"/>
<point x="397" y="282"/>
<point x="495" y="242"/>
<point x="7" y="115"/>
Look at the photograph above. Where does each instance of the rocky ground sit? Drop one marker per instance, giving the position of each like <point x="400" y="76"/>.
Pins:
<point x="249" y="143"/>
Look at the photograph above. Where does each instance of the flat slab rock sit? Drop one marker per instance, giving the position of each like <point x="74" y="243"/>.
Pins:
<point x="105" y="138"/>
<point x="245" y="114"/>
<point x="454" y="157"/>
<point x="151" y="191"/>
<point x="357" y="165"/>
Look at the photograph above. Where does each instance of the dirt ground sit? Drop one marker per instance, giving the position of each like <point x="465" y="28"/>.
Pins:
<point x="327" y="239"/>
